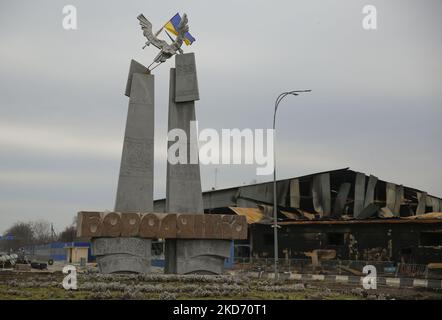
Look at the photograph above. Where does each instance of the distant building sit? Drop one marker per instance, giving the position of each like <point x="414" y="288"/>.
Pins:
<point x="77" y="252"/>
<point x="70" y="252"/>
<point x="360" y="217"/>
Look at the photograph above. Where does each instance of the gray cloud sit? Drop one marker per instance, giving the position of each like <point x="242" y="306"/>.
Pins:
<point x="375" y="105"/>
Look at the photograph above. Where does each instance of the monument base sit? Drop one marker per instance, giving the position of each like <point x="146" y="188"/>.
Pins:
<point x="196" y="243"/>
<point x="196" y="256"/>
<point x="122" y="255"/>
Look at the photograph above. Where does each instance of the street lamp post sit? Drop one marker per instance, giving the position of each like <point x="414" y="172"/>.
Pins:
<point x="275" y="201"/>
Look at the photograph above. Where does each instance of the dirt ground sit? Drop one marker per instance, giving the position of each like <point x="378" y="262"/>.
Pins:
<point x="92" y="285"/>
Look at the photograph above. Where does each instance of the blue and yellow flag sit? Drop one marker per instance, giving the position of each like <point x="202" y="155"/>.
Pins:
<point x="172" y="26"/>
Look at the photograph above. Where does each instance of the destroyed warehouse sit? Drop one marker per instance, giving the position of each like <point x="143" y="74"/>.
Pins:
<point x="355" y="216"/>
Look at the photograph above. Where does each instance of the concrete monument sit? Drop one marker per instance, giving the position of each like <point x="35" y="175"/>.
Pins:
<point x="135" y="183"/>
<point x="183" y="189"/>
<point x="195" y="242"/>
<point x="118" y="225"/>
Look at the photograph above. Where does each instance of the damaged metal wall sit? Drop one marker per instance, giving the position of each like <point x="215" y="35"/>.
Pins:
<point x="398" y="242"/>
<point x="328" y="195"/>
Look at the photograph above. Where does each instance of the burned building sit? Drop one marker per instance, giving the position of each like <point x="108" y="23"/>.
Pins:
<point x="358" y="217"/>
<point x="412" y="241"/>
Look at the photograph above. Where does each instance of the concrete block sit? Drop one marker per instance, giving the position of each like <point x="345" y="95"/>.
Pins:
<point x="183" y="185"/>
<point x="131" y="246"/>
<point x="88" y="224"/>
<point x="168" y="226"/>
<point x="233" y="228"/>
<point x="130" y="224"/>
<point x="149" y="226"/>
<point x="202" y="256"/>
<point x="210" y="247"/>
<point x="204" y="264"/>
<point x="185" y="223"/>
<point x="123" y="263"/>
<point x="186" y="79"/>
<point x="212" y="226"/>
<point x="154" y="225"/>
<point x="135" y="67"/>
<point x="162" y="225"/>
<point x="112" y="224"/>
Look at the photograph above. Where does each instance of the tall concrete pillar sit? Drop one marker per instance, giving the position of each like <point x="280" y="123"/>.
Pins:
<point x="135" y="183"/>
<point x="183" y="190"/>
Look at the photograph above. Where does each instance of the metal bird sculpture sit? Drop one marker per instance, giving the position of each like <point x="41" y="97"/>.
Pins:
<point x="166" y="50"/>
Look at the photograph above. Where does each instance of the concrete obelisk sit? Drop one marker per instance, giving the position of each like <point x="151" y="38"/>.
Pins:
<point x="135" y="183"/>
<point x="183" y="189"/>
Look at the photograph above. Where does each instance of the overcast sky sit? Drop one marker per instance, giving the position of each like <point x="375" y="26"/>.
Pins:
<point x="376" y="104"/>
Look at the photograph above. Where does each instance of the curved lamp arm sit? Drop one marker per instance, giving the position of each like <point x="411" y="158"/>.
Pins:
<point x="275" y="203"/>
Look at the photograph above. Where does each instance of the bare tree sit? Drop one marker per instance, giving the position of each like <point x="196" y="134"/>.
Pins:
<point x="22" y="235"/>
<point x="35" y="233"/>
<point x="68" y="234"/>
<point x="42" y="231"/>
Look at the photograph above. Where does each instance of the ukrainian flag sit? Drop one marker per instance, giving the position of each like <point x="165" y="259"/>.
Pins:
<point x="172" y="26"/>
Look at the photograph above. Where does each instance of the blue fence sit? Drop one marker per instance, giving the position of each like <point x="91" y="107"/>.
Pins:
<point x="56" y="250"/>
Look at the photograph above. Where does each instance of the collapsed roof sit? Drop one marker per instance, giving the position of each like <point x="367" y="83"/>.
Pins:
<point x="341" y="194"/>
